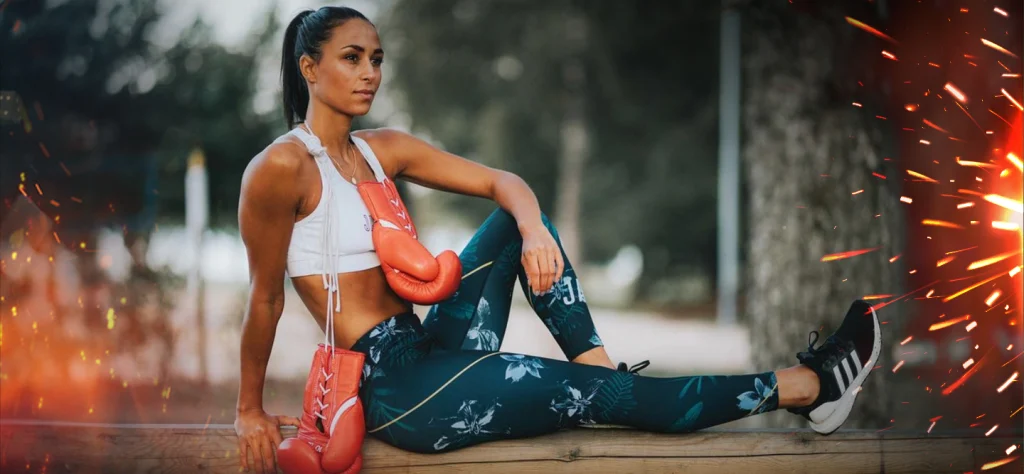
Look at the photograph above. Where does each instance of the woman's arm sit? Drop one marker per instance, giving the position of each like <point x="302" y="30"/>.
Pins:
<point x="267" y="205"/>
<point x="419" y="162"/>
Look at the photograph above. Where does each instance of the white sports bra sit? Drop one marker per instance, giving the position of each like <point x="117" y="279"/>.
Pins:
<point x="335" y="237"/>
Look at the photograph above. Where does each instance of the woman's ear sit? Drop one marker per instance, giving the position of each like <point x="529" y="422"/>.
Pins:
<point x="307" y="66"/>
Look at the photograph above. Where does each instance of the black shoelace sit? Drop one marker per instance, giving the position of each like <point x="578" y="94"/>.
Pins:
<point x="635" y="369"/>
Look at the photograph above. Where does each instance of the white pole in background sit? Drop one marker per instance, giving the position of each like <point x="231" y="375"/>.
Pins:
<point x="729" y="165"/>
<point x="196" y="217"/>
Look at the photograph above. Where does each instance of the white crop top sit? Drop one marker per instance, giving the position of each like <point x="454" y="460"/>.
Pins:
<point x="335" y="237"/>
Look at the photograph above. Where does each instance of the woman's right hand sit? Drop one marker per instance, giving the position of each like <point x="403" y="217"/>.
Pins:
<point x="259" y="434"/>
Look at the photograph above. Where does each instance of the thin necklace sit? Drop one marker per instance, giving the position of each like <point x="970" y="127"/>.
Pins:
<point x="352" y="173"/>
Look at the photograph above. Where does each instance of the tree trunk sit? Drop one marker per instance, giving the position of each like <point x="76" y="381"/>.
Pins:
<point x="574" y="139"/>
<point x="807" y="151"/>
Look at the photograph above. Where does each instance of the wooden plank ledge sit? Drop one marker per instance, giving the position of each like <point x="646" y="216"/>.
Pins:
<point x="56" y="447"/>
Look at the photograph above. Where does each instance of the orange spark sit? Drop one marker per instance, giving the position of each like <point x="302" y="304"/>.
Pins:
<point x="968" y="363"/>
<point x="992" y="260"/>
<point x="949" y="87"/>
<point x="973" y="325"/>
<point x="932" y="125"/>
<point x="1008" y="96"/>
<point x="841" y="255"/>
<point x="948" y="323"/>
<point x="895" y="258"/>
<point x="944" y="261"/>
<point x="908" y="339"/>
<point x="910" y="107"/>
<point x="991" y="430"/>
<point x="1001" y="462"/>
<point x="920" y="176"/>
<point x="999" y="11"/>
<point x="1014" y="271"/>
<point x="900" y="364"/>
<point x="1005" y="202"/>
<point x="857" y="104"/>
<point x="857" y="192"/>
<point x="965" y="205"/>
<point x="1007" y="384"/>
<point x="924" y="142"/>
<point x="963" y="378"/>
<point x="976" y="164"/>
<point x="875" y="297"/>
<point x="906" y="200"/>
<point x="996" y="47"/>
<point x="1001" y="225"/>
<point x="938" y="223"/>
<point x="969" y="288"/>
<point x="871" y="30"/>
<point x="890" y="55"/>
<point x="1015" y="160"/>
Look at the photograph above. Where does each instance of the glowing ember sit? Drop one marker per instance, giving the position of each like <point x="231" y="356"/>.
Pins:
<point x="1012" y="448"/>
<point x="924" y="142"/>
<point x="921" y="176"/>
<point x="1007" y="384"/>
<point x="965" y="205"/>
<point x="871" y="30"/>
<point x="951" y="322"/>
<point x="1011" y="99"/>
<point x="910" y="107"/>
<point x="999" y="11"/>
<point x="949" y="87"/>
<point x="893" y="57"/>
<point x="932" y="125"/>
<point x="960" y="381"/>
<point x="991" y="260"/>
<point x="969" y="288"/>
<point x="938" y="223"/>
<point x="900" y="364"/>
<point x="944" y="261"/>
<point x="1001" y="462"/>
<point x="875" y="297"/>
<point x="1014" y="271"/>
<point x="897" y="257"/>
<point x="996" y="47"/>
<point x="993" y="297"/>
<point x="842" y="255"/>
<point x="1005" y="225"/>
<point x="905" y="341"/>
<point x="968" y="363"/>
<point x="906" y="200"/>
<point x="991" y="430"/>
<point x="975" y="164"/>
<point x="1015" y="160"/>
<point x="1005" y="202"/>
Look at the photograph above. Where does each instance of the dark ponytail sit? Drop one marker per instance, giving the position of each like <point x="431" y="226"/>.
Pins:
<point x="305" y="35"/>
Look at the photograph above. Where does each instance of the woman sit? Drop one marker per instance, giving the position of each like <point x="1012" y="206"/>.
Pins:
<point x="441" y="385"/>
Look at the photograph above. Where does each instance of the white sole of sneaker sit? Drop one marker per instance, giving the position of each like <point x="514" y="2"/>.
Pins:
<point x="845" y="403"/>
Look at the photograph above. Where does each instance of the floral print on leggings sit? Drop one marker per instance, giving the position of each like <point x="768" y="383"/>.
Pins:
<point x="442" y="384"/>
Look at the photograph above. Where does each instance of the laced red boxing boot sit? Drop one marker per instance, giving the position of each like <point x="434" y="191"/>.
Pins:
<point x="332" y="427"/>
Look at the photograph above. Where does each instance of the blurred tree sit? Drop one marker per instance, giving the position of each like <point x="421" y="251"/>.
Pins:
<point x="806" y="151"/>
<point x="107" y="120"/>
<point x="590" y="102"/>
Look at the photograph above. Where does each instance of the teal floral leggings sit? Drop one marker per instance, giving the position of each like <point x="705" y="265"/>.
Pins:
<point x="443" y="384"/>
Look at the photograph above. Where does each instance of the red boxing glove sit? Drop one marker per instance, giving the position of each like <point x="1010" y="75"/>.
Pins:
<point x="332" y="427"/>
<point x="410" y="269"/>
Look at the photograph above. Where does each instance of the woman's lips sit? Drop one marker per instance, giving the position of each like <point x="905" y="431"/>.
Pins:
<point x="366" y="94"/>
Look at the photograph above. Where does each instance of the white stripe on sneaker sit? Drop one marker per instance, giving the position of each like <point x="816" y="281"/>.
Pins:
<point x="855" y="363"/>
<point x="839" y="379"/>
<point x="846" y="368"/>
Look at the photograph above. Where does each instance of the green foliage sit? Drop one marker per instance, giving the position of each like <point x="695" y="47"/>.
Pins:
<point x="102" y="97"/>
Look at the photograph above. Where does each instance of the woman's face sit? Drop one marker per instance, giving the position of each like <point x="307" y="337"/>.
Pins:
<point x="348" y="74"/>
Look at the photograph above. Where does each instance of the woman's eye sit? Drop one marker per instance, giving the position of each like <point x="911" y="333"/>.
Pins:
<point x="377" y="61"/>
<point x="352" y="57"/>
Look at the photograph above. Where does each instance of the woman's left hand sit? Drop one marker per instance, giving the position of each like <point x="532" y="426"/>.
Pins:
<point x="542" y="259"/>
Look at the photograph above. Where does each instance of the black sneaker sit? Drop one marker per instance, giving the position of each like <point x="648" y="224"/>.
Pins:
<point x="635" y="369"/>
<point x="842" y="363"/>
